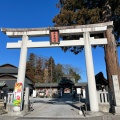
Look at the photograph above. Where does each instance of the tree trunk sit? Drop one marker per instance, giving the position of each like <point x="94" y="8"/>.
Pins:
<point x="111" y="57"/>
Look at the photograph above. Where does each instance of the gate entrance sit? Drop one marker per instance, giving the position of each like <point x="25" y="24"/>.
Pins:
<point x="87" y="41"/>
<point x="66" y="87"/>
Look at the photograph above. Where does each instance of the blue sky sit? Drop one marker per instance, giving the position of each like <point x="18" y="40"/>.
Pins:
<point x="38" y="14"/>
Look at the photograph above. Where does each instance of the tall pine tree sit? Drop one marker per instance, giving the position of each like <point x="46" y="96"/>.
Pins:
<point x="30" y="67"/>
<point x="81" y="12"/>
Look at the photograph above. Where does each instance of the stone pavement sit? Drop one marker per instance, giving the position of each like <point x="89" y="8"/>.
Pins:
<point x="105" y="117"/>
<point x="53" y="109"/>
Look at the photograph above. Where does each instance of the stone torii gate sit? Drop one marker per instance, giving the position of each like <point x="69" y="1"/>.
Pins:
<point x="86" y="41"/>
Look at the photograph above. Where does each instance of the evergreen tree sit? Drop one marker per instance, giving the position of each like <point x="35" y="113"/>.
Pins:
<point x="30" y="67"/>
<point x="51" y="70"/>
<point x="79" y="12"/>
<point x="39" y="70"/>
<point x="59" y="72"/>
<point x="46" y="77"/>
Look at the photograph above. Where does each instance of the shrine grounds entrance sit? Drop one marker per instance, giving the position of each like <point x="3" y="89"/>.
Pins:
<point x="55" y="33"/>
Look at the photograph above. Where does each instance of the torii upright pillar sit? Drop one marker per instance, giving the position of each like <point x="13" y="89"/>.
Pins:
<point x="90" y="73"/>
<point x="86" y="41"/>
<point x="22" y="62"/>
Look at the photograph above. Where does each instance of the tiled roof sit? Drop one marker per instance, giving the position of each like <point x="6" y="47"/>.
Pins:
<point x="11" y="83"/>
<point x="56" y="84"/>
<point x="8" y="70"/>
<point x="46" y="84"/>
<point x="7" y="65"/>
<point x="100" y="79"/>
<point x="81" y="84"/>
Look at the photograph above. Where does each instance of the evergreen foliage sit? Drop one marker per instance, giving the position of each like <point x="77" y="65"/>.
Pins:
<point x="81" y="12"/>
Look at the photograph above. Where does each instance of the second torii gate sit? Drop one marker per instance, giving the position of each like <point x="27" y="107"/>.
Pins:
<point x="86" y="41"/>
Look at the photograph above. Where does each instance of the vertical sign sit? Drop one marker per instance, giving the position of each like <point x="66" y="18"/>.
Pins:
<point x="17" y="94"/>
<point x="54" y="37"/>
<point x="78" y="90"/>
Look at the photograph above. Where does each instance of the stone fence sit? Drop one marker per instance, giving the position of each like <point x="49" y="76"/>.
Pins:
<point x="103" y="100"/>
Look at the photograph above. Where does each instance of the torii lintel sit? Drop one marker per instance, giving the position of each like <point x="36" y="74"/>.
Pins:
<point x="71" y="30"/>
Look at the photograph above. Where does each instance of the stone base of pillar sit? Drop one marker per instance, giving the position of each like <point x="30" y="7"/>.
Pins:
<point x="16" y="109"/>
<point x="92" y="114"/>
<point x="80" y="112"/>
<point x="104" y="107"/>
<point x="116" y="109"/>
<point x="26" y="108"/>
<point x="19" y="114"/>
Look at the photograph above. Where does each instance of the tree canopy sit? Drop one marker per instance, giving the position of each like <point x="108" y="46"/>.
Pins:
<point x="81" y="12"/>
<point x="44" y="70"/>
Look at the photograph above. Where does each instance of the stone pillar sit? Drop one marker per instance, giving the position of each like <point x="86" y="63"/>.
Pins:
<point x="116" y="94"/>
<point x="10" y="99"/>
<point x="90" y="74"/>
<point x="22" y="62"/>
<point x="26" y="100"/>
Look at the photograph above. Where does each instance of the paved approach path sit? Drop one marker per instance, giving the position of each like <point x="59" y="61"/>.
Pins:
<point x="45" y="107"/>
<point x="57" y="109"/>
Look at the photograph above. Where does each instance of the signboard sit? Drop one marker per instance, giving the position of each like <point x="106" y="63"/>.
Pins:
<point x="17" y="94"/>
<point x="78" y="90"/>
<point x="34" y="93"/>
<point x="54" y="37"/>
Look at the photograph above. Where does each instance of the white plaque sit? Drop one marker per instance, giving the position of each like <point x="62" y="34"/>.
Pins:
<point x="34" y="93"/>
<point x="78" y="90"/>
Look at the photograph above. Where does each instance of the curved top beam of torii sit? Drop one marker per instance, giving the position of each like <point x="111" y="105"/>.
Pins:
<point x="73" y="30"/>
